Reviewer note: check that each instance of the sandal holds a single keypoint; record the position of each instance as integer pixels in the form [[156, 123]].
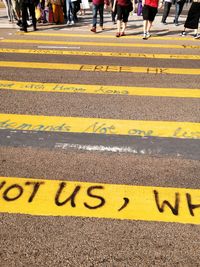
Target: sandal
[[117, 34]]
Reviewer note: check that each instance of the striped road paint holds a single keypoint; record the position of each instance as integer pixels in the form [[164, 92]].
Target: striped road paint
[[114, 201], [99, 68], [111, 44], [103, 36], [140, 128], [98, 89], [96, 54]]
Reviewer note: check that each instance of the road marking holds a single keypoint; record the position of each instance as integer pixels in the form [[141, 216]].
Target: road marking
[[140, 128], [96, 54], [103, 36], [112, 44], [55, 47], [99, 89], [99, 200], [99, 68]]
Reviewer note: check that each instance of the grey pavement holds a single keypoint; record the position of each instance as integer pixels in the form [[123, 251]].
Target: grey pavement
[[38, 241]]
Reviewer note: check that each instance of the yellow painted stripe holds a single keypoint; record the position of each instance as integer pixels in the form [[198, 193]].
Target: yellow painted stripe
[[98, 89], [115, 201], [99, 68], [100, 126], [98, 54], [112, 44], [103, 36]]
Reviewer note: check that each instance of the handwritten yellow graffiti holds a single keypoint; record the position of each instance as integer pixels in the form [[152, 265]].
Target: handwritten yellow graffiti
[[66, 198]]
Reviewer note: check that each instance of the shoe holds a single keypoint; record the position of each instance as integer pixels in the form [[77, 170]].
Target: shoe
[[122, 34], [146, 35], [197, 36], [102, 28], [176, 24], [183, 33], [71, 23], [35, 29], [164, 23], [23, 29], [68, 22], [118, 34], [19, 23], [93, 29]]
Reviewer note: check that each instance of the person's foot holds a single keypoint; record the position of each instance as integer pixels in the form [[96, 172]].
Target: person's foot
[[23, 29], [35, 29], [102, 28], [122, 34], [183, 33], [93, 29], [146, 35], [196, 36], [164, 22], [68, 22], [118, 34], [71, 23]]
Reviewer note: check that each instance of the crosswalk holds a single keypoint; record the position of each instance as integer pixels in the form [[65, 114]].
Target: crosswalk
[[111, 76]]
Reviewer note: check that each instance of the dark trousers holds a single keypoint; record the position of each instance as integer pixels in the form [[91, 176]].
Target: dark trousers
[[31, 8], [166, 11], [178, 9], [95, 10]]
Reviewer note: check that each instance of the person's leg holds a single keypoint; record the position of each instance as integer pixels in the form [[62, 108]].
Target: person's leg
[[72, 8], [94, 17], [181, 4], [177, 7], [166, 10], [125, 20], [31, 8], [145, 24], [55, 13], [68, 11], [149, 25], [101, 7], [24, 17]]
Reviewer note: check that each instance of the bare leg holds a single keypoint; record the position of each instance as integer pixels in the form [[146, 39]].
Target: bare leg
[[145, 23], [118, 25], [149, 25], [124, 26]]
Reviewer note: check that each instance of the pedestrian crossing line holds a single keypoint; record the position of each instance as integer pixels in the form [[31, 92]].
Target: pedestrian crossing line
[[103, 36], [189, 130], [99, 89], [99, 200], [111, 44], [99, 68], [98, 54]]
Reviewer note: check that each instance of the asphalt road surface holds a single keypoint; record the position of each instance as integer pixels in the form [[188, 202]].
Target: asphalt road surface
[[99, 146]]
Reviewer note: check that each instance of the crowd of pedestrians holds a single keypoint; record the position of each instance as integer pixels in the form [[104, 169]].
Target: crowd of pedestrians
[[65, 11]]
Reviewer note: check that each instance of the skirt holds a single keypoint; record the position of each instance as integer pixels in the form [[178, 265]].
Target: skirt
[[192, 21]]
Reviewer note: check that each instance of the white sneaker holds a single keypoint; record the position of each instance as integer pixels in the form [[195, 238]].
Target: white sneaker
[[71, 23], [146, 35], [68, 23]]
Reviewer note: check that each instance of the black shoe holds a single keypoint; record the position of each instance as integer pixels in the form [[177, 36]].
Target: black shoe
[[23, 29], [35, 29]]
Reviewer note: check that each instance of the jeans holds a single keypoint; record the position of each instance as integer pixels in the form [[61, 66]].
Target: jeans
[[70, 10], [178, 9], [166, 11], [95, 9]]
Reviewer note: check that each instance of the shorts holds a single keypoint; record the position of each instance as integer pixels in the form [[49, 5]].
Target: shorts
[[149, 12], [122, 13]]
